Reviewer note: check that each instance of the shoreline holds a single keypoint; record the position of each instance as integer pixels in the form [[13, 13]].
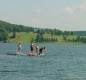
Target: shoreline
[[58, 43]]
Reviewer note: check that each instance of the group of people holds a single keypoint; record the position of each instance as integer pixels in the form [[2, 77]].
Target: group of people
[[34, 49]]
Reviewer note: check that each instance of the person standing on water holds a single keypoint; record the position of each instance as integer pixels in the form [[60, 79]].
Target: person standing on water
[[19, 47], [31, 47], [31, 53], [37, 49]]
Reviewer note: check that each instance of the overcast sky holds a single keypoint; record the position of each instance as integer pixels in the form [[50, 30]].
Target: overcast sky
[[60, 14]]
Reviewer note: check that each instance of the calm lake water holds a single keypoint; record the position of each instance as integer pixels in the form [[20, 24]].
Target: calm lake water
[[60, 62]]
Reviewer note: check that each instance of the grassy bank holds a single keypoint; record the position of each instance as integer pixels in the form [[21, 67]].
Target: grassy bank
[[27, 37], [22, 37]]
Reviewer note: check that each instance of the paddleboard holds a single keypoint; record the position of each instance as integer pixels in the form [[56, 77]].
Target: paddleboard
[[17, 53], [23, 54]]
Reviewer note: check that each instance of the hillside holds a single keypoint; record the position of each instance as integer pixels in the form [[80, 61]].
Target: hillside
[[24, 37], [21, 28], [20, 33], [14, 27]]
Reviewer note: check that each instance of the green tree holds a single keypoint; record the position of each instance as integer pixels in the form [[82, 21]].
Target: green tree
[[32, 40], [3, 34], [37, 38], [14, 34], [42, 38]]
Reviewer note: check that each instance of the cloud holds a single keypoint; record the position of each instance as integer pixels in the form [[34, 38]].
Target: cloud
[[69, 11], [74, 10], [38, 12], [31, 20], [82, 7], [35, 21], [5, 18]]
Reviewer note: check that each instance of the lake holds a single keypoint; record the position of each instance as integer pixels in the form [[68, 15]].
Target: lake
[[60, 62]]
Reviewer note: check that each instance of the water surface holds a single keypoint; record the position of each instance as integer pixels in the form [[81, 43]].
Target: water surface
[[60, 62]]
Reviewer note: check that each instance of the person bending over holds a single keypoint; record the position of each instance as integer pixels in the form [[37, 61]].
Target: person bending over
[[41, 50]]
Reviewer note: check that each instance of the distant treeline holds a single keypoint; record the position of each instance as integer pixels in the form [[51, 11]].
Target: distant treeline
[[6, 28], [40, 38], [80, 33], [13, 27], [20, 28]]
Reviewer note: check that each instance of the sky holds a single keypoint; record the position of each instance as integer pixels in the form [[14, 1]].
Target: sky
[[60, 14]]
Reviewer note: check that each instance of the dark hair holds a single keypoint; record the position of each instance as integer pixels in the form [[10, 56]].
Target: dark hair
[[44, 47]]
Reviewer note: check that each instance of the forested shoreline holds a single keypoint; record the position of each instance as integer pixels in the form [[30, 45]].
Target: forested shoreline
[[7, 28]]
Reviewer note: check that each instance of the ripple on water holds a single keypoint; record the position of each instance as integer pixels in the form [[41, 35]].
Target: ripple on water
[[61, 62]]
